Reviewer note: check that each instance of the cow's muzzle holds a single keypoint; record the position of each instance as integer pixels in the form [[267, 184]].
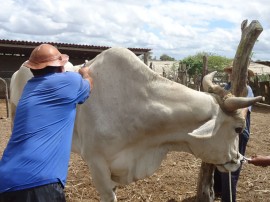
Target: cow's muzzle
[[233, 165]]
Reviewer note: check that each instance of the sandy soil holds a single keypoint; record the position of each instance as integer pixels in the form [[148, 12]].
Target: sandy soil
[[176, 179]]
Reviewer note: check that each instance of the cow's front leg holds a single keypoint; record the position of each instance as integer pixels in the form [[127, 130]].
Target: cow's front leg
[[101, 176]]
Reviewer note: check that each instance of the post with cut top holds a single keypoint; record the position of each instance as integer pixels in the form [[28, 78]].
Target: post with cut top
[[242, 58], [204, 70], [5, 85], [146, 57], [239, 88]]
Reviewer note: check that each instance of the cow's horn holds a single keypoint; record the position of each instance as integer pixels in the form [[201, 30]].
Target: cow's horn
[[207, 81], [234, 103], [208, 85]]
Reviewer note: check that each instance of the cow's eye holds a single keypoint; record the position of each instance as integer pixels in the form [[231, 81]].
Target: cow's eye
[[238, 130]]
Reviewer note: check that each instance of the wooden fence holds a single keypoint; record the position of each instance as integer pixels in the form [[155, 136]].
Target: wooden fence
[[259, 87]]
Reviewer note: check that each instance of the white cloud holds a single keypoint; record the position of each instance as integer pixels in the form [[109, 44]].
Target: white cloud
[[177, 28]]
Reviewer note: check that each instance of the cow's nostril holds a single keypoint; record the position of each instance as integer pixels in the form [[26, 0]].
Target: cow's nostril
[[238, 130]]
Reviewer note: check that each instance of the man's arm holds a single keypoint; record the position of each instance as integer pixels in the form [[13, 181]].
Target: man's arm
[[85, 72], [260, 160]]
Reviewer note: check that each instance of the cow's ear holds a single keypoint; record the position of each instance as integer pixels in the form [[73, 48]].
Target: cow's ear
[[204, 131]]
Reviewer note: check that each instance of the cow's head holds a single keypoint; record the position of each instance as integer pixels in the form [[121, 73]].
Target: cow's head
[[69, 67], [217, 139]]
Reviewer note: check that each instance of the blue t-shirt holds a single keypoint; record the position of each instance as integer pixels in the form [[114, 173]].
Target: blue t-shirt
[[38, 151]]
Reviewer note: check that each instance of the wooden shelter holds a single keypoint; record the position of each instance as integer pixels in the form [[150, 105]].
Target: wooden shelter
[[14, 53]]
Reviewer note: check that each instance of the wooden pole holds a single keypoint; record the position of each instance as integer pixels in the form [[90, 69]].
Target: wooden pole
[[6, 95], [238, 80], [205, 191], [204, 70], [242, 57], [145, 57]]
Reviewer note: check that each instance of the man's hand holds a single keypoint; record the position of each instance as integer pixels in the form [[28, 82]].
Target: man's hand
[[259, 160], [86, 74]]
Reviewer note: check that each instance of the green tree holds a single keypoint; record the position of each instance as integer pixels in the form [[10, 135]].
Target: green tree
[[165, 57], [215, 62], [194, 64]]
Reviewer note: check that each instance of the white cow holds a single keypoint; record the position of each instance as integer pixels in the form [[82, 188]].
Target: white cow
[[134, 117]]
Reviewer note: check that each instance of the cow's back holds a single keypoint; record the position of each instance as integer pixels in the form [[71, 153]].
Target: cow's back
[[119, 103]]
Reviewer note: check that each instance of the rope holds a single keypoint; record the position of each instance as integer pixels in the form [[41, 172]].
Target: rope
[[227, 95]]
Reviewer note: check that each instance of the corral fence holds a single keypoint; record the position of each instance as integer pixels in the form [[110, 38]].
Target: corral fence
[[261, 88], [181, 76]]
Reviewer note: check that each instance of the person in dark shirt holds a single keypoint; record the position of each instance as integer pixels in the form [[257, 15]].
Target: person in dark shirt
[[221, 180]]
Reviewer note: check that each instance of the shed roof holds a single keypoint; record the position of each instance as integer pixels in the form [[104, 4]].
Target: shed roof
[[25, 48], [259, 68]]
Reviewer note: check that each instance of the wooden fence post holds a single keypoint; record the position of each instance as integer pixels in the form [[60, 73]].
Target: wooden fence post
[[182, 74], [239, 74], [242, 57], [146, 58], [205, 191], [204, 70], [6, 95]]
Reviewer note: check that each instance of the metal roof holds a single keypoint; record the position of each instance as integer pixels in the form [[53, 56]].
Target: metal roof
[[25, 48], [259, 69]]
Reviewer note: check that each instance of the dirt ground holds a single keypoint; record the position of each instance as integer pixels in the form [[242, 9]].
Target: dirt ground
[[176, 179]]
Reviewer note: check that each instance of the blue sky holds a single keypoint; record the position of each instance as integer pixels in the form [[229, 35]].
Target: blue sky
[[176, 28]]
